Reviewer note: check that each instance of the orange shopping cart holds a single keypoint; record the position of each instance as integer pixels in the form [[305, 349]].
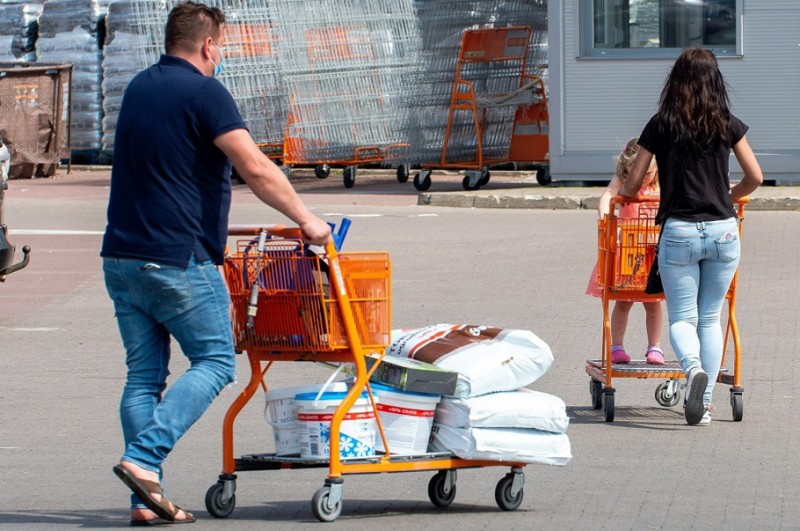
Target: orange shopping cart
[[626, 250], [290, 305]]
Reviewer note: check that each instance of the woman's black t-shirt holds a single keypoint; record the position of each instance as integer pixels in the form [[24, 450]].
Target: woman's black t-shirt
[[696, 187]]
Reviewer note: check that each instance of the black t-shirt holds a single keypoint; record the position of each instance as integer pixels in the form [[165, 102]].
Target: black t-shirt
[[695, 187]]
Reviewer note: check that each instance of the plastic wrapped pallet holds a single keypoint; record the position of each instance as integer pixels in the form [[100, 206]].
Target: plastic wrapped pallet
[[18, 28], [502, 444], [68, 33], [516, 409], [487, 359]]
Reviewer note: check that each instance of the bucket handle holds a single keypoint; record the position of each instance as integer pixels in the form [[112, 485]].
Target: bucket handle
[[328, 383]]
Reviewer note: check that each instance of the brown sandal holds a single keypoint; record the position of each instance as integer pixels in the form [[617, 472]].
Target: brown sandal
[[145, 489]]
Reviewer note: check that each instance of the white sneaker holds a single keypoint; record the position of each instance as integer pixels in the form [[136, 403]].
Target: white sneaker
[[706, 419], [694, 409]]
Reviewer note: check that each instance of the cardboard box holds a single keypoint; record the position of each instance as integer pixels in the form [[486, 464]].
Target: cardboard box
[[409, 374]]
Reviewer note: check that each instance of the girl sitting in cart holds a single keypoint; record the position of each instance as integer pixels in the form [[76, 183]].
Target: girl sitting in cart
[[622, 308]]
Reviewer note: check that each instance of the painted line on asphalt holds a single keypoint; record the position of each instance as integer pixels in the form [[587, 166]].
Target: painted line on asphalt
[[23, 329], [47, 232], [378, 215]]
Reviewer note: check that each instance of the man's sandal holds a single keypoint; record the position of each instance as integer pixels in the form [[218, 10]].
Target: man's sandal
[[144, 489]]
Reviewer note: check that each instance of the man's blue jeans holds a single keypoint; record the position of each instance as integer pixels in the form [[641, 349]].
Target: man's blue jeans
[[153, 302], [697, 261]]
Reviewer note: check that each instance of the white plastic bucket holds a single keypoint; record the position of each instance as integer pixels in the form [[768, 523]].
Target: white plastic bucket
[[406, 417], [356, 433], [280, 412]]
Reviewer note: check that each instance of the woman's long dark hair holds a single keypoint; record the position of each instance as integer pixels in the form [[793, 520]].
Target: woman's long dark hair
[[694, 104]]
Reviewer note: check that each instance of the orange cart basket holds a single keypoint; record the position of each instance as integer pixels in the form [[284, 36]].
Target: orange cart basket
[[626, 250]]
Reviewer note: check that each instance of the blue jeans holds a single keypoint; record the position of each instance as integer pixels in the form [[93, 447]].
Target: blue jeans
[[697, 261], [153, 302]]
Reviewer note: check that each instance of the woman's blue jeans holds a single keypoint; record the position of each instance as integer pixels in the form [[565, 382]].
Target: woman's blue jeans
[[697, 261], [153, 302]]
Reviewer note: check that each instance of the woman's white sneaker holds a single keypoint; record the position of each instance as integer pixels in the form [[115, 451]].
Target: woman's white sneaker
[[694, 409]]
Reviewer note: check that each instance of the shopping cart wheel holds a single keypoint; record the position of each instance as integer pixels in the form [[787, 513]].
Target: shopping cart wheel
[[322, 171], [737, 403], [402, 173], [422, 180], [596, 390], [442, 488], [327, 502], [668, 393], [349, 176], [543, 176], [472, 180], [508, 493], [217, 503], [485, 178], [608, 403]]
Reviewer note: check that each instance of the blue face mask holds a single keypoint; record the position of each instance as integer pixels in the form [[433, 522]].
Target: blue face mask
[[218, 68]]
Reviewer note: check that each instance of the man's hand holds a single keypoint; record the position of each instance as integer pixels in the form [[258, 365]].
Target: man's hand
[[316, 231]]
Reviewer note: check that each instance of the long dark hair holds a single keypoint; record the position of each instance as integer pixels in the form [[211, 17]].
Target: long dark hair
[[694, 103]]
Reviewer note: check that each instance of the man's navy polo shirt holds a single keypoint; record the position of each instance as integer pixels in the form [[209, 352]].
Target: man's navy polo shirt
[[170, 185]]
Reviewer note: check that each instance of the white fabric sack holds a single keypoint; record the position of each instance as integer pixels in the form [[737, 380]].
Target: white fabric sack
[[513, 409], [487, 359], [502, 444]]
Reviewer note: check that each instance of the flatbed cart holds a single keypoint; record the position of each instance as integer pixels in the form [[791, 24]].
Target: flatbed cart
[[498, 48], [626, 250], [288, 305]]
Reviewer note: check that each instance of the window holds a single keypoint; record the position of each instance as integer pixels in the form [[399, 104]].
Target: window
[[658, 28]]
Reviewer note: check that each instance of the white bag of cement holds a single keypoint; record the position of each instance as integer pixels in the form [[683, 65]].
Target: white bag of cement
[[487, 359], [514, 409], [502, 444]]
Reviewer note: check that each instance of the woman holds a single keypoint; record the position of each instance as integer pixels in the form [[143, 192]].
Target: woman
[[691, 137]]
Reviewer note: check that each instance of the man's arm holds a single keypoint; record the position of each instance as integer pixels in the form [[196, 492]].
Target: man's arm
[[270, 184]]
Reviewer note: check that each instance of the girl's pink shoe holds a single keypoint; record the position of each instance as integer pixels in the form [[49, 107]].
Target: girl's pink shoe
[[618, 355], [654, 356]]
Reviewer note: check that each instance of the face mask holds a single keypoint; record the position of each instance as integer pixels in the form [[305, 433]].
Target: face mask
[[218, 68]]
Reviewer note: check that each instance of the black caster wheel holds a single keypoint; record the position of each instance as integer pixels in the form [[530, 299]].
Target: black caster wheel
[[485, 178], [503, 493], [422, 180], [437, 492], [471, 181], [737, 405], [402, 173], [543, 176], [596, 391], [216, 506], [321, 506], [349, 176], [322, 171], [608, 403], [668, 394]]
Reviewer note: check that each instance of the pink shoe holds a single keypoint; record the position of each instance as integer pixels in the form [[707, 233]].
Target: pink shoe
[[655, 356], [618, 355]]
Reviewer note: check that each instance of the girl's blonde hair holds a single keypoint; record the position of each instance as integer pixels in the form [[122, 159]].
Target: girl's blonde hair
[[626, 158]]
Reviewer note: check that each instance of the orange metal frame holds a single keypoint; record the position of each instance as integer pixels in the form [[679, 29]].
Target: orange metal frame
[[358, 324], [529, 139], [619, 239]]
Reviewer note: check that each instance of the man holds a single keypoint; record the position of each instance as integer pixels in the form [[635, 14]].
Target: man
[[177, 134]]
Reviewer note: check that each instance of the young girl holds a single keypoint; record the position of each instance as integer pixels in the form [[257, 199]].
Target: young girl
[[691, 138], [622, 308]]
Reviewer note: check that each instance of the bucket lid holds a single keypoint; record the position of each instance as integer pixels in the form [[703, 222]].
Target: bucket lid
[[326, 396], [389, 389]]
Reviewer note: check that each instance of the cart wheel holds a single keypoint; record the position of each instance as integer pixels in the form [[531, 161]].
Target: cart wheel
[[608, 403], [543, 176], [502, 494], [472, 180], [320, 505], [485, 178], [596, 390], [214, 504], [349, 176], [667, 395], [737, 405], [422, 180], [436, 490], [322, 171], [402, 173]]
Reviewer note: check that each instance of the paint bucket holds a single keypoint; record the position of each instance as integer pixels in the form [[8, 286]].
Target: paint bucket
[[406, 417], [357, 432], [281, 413]]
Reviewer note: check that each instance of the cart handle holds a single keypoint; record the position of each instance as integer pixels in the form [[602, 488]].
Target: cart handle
[[646, 198], [281, 231]]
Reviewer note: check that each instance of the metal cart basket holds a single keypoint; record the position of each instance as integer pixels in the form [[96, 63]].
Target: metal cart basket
[[291, 305]]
